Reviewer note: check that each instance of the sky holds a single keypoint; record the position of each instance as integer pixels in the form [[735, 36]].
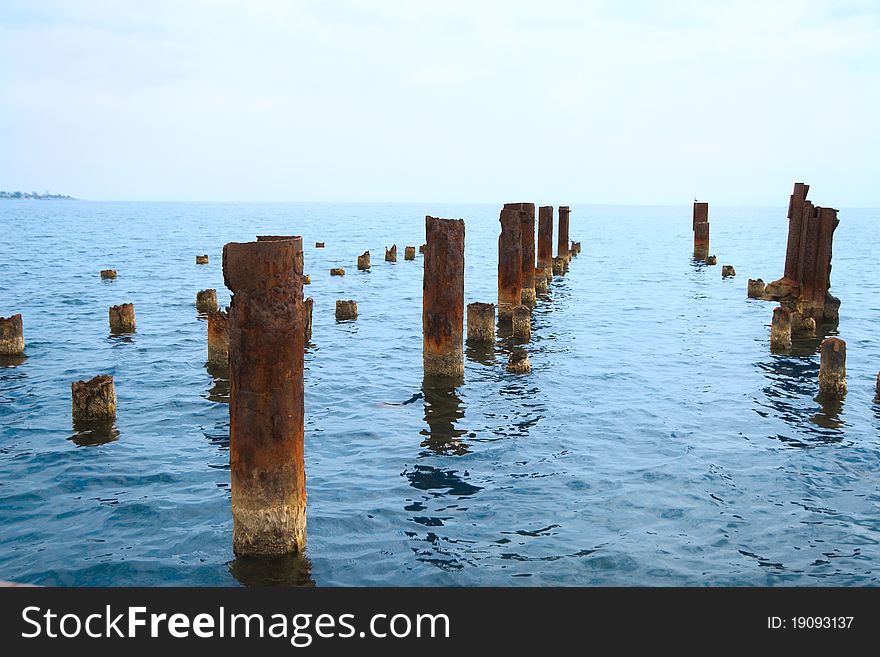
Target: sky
[[640, 102]]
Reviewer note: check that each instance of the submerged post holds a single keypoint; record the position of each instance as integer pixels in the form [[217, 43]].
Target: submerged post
[[266, 395], [780, 329], [94, 399], [409, 253], [509, 263], [218, 338], [832, 367], [391, 254], [522, 323], [11, 336], [541, 280], [518, 362], [545, 241], [562, 238], [363, 262], [122, 318], [206, 300], [481, 322], [346, 309], [443, 297]]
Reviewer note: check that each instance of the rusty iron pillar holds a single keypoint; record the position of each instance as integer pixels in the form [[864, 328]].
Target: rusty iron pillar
[[527, 236], [443, 297], [701, 230], [266, 395], [545, 240], [509, 263], [562, 240]]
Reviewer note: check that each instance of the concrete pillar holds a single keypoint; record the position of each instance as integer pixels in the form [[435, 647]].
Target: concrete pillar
[[108, 274], [206, 300], [266, 338], [509, 263], [364, 261], [756, 288], [391, 254], [443, 297], [409, 253], [481, 322], [518, 362], [832, 367], [11, 336], [218, 338], [94, 399], [202, 259], [308, 304], [122, 318], [780, 329], [562, 238], [346, 309], [522, 323], [545, 240]]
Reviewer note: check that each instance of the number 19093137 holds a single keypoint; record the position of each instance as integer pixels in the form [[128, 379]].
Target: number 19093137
[[810, 622]]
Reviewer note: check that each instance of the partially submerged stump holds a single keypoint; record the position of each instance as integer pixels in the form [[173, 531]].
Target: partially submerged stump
[[780, 329], [108, 273], [202, 259], [518, 362], [391, 254], [307, 280], [409, 253], [522, 322], [756, 288], [540, 280], [11, 336], [218, 338], [481, 322], [727, 271], [560, 264], [122, 318], [94, 399], [363, 261], [832, 368], [319, 245], [206, 300], [711, 260], [337, 271], [422, 249], [346, 309]]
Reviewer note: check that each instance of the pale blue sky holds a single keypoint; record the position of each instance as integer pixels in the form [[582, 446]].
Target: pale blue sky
[[342, 100]]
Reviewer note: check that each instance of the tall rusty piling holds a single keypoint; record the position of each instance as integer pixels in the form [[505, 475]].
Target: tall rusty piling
[[122, 318], [522, 323], [481, 322], [509, 263], [562, 239], [443, 297], [780, 329], [701, 230], [832, 367], [11, 336], [308, 305], [206, 300], [545, 240], [363, 261], [391, 254], [94, 399], [218, 338], [266, 347], [409, 253], [527, 236]]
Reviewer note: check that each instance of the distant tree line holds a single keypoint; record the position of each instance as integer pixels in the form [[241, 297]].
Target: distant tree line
[[45, 196]]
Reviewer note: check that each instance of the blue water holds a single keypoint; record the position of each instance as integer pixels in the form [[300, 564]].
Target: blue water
[[656, 441]]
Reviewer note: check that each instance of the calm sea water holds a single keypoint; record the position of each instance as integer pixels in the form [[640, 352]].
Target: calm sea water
[[656, 441]]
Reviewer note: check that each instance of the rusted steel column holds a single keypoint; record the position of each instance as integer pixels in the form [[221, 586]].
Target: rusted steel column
[[527, 233], [562, 238], [443, 297], [122, 318], [795, 229], [206, 300], [545, 240], [827, 221], [218, 338], [780, 329], [832, 367], [481, 322], [701, 230], [266, 395], [11, 336], [308, 305], [94, 399], [509, 263]]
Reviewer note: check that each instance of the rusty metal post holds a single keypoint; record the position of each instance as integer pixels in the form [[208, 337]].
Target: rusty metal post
[[363, 261], [701, 230], [562, 239], [545, 241], [509, 263], [443, 297], [832, 367], [796, 204], [308, 305], [266, 395], [527, 234]]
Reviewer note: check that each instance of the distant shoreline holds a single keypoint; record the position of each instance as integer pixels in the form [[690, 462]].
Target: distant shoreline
[[15, 196]]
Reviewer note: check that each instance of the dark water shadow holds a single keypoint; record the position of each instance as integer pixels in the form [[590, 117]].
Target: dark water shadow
[[830, 410], [89, 433], [443, 408], [12, 361], [219, 390], [292, 570], [480, 352], [121, 337]]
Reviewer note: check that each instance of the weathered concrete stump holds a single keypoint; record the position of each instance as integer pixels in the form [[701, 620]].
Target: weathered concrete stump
[[545, 241], [522, 322], [711, 260], [481, 322], [308, 305], [422, 249], [94, 399], [443, 297], [307, 280], [206, 300], [122, 318], [541, 280], [391, 254], [509, 263], [346, 309], [337, 271], [518, 362], [409, 253], [573, 249], [527, 236], [701, 230], [319, 245], [266, 344], [11, 336], [562, 239], [727, 271], [560, 265], [218, 338], [780, 329], [756, 288], [108, 274], [202, 259], [832, 367], [364, 261]]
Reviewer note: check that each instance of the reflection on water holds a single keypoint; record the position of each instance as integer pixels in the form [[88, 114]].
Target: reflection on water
[[11, 361], [119, 338], [829, 414], [288, 570], [219, 391], [443, 407], [480, 352], [94, 432]]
